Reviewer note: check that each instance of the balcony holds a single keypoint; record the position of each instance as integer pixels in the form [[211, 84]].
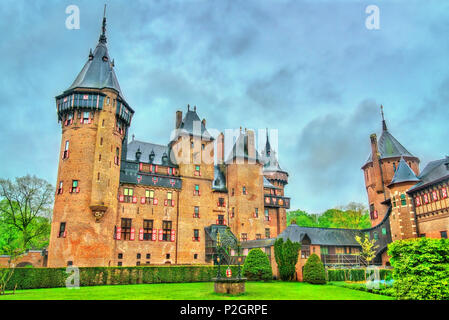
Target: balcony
[[334, 260], [277, 201]]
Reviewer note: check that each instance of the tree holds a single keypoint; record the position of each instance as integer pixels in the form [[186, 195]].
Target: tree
[[286, 256], [368, 248], [352, 216], [314, 271], [14, 251], [257, 266], [26, 206]]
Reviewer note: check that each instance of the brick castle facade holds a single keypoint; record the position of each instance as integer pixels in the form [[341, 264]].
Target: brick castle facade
[[139, 203]]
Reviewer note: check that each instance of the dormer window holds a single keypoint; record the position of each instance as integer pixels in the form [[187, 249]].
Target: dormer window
[[138, 154], [105, 58], [152, 155], [164, 158]]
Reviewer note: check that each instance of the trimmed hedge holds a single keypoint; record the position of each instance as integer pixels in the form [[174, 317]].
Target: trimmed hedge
[[257, 266], [355, 274], [314, 270], [34, 278]]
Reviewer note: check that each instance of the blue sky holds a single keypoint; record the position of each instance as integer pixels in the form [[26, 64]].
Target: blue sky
[[310, 69]]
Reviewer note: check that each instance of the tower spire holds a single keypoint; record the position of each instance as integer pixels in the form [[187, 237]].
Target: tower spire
[[103, 28], [384, 124]]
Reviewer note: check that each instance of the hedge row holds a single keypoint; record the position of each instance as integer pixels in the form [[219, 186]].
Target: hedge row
[[33, 278], [355, 274]]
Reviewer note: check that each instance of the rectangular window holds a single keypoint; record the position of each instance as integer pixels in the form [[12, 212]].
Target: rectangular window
[[85, 118], [394, 202], [371, 211], [138, 256], [244, 190], [443, 234], [244, 237], [75, 187], [403, 200], [196, 235], [267, 215], [169, 198], [128, 193], [65, 154], [120, 255], [258, 236], [220, 219], [149, 195], [324, 250], [126, 228], [61, 230], [197, 171], [60, 190], [147, 229], [232, 192], [375, 235], [267, 233], [117, 156], [256, 212], [166, 230], [233, 212], [196, 192], [148, 255], [221, 202], [196, 212]]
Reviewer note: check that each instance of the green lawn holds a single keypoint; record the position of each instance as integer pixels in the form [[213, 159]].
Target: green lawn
[[197, 291]]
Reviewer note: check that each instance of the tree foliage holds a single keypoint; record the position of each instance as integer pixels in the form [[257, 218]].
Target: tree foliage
[[286, 256], [352, 216], [368, 247], [25, 211], [421, 268], [257, 266], [314, 271]]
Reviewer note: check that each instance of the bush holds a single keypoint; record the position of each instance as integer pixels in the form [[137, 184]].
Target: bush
[[286, 255], [314, 270], [421, 268], [257, 266], [34, 278], [355, 274]]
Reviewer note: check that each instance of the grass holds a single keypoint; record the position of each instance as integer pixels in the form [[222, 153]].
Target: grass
[[275, 290]]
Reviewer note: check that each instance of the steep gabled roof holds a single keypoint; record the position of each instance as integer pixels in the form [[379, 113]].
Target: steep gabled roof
[[268, 184], [434, 171], [98, 71], [192, 125], [240, 149], [403, 173]]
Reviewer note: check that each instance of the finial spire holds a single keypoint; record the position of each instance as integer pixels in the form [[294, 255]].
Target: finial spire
[[103, 28], [384, 124]]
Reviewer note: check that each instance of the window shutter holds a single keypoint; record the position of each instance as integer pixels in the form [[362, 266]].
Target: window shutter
[[154, 235], [172, 236], [155, 201], [121, 198], [132, 235], [173, 203], [64, 234], [199, 193], [77, 189], [134, 199], [142, 200], [140, 166], [165, 202], [141, 234], [156, 168], [160, 234], [81, 120], [118, 235]]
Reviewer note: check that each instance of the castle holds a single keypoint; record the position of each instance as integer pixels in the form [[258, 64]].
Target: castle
[[139, 203]]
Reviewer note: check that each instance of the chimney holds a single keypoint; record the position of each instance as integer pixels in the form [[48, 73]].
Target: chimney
[[446, 163], [376, 163], [220, 148], [178, 119], [204, 123], [251, 144]]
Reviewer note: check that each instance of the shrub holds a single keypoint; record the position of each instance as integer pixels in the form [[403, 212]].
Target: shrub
[[314, 270], [257, 266], [421, 268], [286, 256]]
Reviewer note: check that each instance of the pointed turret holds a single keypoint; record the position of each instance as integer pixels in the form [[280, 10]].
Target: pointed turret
[[271, 169], [403, 174]]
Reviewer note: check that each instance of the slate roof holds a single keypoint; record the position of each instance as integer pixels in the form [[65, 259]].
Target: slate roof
[[219, 183], [262, 243], [240, 149], [403, 173], [434, 171], [98, 71], [146, 148], [268, 184], [270, 160], [389, 147], [192, 125], [322, 236]]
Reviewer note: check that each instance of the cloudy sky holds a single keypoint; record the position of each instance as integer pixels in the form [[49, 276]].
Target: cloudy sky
[[310, 69]]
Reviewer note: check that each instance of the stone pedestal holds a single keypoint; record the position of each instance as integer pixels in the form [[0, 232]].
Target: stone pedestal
[[229, 285]]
